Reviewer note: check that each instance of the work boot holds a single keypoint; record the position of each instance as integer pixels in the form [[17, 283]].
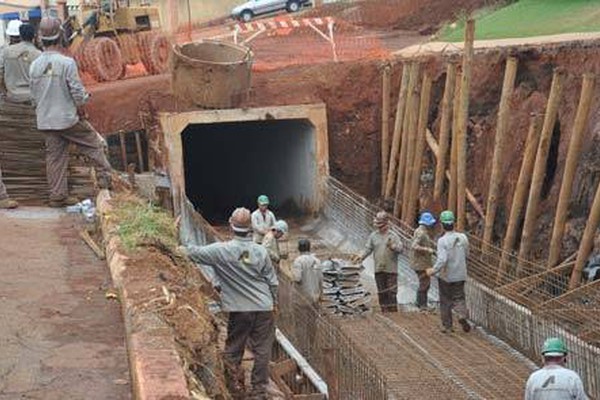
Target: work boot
[[446, 330], [8, 204], [466, 327], [59, 202]]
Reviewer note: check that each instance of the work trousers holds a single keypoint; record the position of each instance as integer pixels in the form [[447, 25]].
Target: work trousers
[[3, 194], [259, 328], [387, 290], [424, 284], [452, 297], [57, 156]]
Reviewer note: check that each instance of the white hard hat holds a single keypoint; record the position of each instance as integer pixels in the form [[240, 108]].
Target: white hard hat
[[281, 226], [13, 27]]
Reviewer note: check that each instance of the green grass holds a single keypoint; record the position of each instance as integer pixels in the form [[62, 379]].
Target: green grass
[[141, 222], [527, 18]]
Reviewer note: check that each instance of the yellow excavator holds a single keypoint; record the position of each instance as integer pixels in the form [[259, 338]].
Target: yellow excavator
[[108, 35]]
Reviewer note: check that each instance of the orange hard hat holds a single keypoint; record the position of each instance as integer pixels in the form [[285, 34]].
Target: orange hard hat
[[241, 220], [50, 28]]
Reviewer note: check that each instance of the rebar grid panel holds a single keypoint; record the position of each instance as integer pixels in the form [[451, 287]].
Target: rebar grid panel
[[498, 313]]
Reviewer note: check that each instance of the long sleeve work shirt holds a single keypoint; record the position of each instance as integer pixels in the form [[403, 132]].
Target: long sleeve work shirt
[[262, 224], [554, 382], [307, 272], [422, 247], [385, 248], [452, 253], [14, 70]]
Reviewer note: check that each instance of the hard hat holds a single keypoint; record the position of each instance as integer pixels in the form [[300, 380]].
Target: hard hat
[[281, 226], [303, 245], [50, 28], [13, 28], [241, 220], [263, 200], [427, 219], [381, 219], [447, 217], [554, 347]]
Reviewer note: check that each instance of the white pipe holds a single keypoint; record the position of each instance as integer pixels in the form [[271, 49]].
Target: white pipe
[[312, 375]]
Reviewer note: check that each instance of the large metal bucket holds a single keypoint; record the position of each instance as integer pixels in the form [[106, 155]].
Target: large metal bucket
[[211, 73]]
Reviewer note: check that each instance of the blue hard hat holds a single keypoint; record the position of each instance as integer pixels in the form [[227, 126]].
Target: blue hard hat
[[427, 219]]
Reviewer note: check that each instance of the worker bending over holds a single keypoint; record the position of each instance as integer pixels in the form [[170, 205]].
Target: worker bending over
[[271, 241], [59, 97], [249, 294], [262, 219], [451, 266], [554, 381], [423, 249]]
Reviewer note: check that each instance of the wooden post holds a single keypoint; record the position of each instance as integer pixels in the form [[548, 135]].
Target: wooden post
[[123, 150], [440, 166], [413, 116], [510, 75], [410, 108], [400, 108], [581, 120], [521, 191], [140, 154], [461, 159], [587, 241], [385, 125], [539, 169], [415, 174], [454, 149]]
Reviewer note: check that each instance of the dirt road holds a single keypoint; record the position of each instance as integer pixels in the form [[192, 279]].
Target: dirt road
[[60, 338]]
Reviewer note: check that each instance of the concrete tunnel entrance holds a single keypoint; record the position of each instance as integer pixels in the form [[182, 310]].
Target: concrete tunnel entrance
[[221, 159], [230, 164]]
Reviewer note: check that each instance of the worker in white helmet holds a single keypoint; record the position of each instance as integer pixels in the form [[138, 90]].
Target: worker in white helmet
[[249, 294], [15, 62], [271, 241], [554, 381]]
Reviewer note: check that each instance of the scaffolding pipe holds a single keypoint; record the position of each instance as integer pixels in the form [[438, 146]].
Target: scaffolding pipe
[[461, 164], [415, 168], [510, 75], [539, 169], [385, 125], [445, 123], [581, 120], [453, 150], [397, 136], [521, 191]]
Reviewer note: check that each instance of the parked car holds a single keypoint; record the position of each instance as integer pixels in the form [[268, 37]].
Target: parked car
[[253, 8]]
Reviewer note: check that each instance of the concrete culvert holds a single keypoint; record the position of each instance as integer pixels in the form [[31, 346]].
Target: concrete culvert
[[230, 164]]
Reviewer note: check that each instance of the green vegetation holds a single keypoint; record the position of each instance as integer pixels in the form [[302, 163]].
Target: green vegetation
[[527, 18], [141, 222]]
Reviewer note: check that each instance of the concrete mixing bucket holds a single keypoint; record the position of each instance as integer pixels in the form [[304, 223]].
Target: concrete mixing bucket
[[211, 73]]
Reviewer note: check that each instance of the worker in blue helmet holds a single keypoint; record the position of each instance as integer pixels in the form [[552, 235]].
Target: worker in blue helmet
[[423, 249]]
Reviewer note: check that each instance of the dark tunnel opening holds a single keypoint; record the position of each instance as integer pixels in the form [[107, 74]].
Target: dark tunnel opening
[[228, 165]]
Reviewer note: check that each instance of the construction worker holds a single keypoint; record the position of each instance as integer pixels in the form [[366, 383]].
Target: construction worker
[[271, 241], [451, 266], [554, 381], [249, 294], [15, 62], [59, 98], [423, 249], [307, 272], [263, 219], [385, 246]]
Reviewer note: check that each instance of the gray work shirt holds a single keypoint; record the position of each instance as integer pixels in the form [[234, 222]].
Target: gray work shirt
[[452, 253], [247, 277], [307, 271], [14, 70], [385, 248], [422, 247], [271, 243], [262, 224], [554, 382], [56, 91]]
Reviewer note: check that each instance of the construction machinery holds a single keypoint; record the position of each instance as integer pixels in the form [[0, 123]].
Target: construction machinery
[[107, 36]]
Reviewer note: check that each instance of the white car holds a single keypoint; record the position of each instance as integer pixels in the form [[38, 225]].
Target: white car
[[252, 8]]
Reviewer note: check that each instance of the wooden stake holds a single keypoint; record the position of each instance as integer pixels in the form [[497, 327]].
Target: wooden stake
[[587, 241], [440, 166], [413, 117], [510, 75], [461, 164], [410, 106], [521, 191], [385, 126], [581, 121], [140, 154], [415, 168], [123, 150], [400, 108], [539, 169], [454, 149]]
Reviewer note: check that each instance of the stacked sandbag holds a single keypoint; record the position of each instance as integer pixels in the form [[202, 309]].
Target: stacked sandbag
[[343, 294]]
